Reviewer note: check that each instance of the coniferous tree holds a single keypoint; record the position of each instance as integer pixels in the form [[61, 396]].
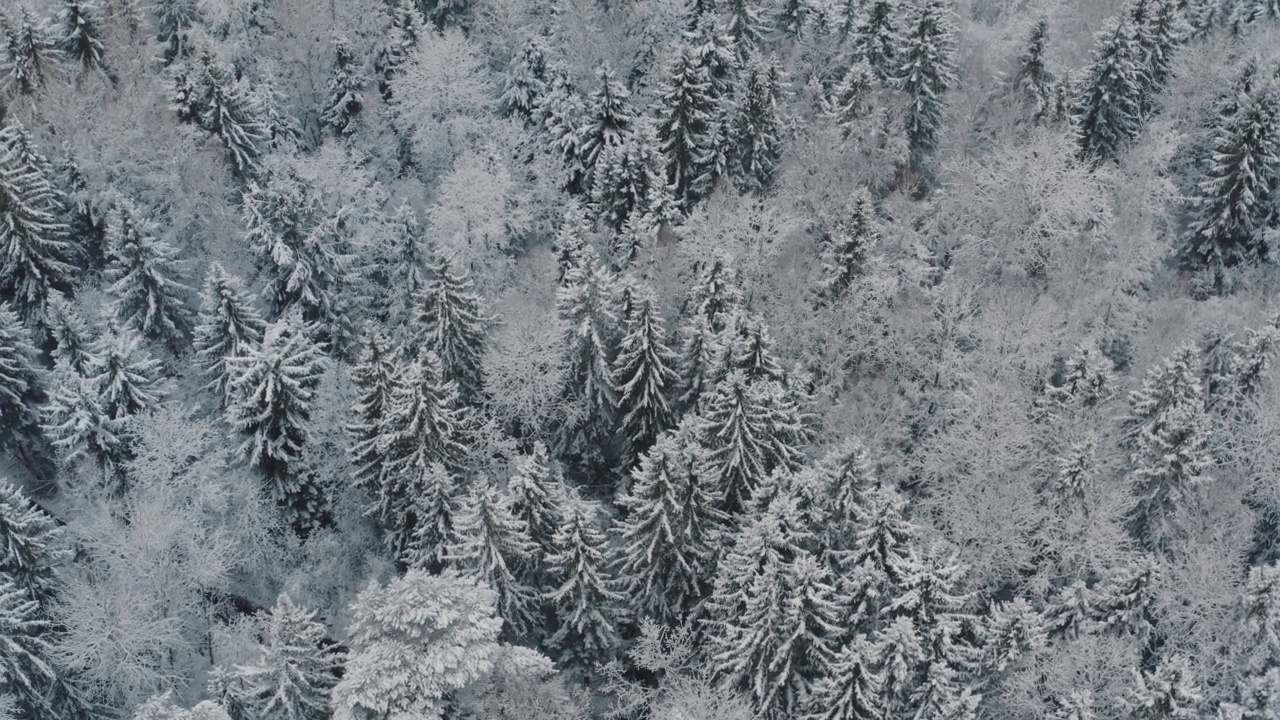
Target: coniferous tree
[[67, 329], [228, 325], [585, 304], [608, 120], [926, 70], [1032, 83], [398, 42], [876, 40], [1070, 613], [751, 350], [77, 422], [20, 383], [435, 510], [746, 24], [717, 293], [145, 278], [404, 262], [748, 430], [851, 98], [273, 389], [1125, 602], [27, 668], [344, 99], [880, 560], [126, 376], [1168, 693], [699, 360], [526, 80], [587, 605], [29, 54], [538, 496], [493, 545], [294, 671], [851, 688], [81, 36], [1109, 107], [847, 244], [35, 255], [899, 654], [687, 128], [225, 108], [375, 376], [757, 127], [28, 552], [630, 186], [452, 325], [644, 375], [1242, 174], [559, 113], [1167, 29], [175, 22]]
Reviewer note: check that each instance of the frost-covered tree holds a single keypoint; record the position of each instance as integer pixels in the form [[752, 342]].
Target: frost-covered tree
[[1169, 693], [526, 80], [1032, 83], [876, 40], [294, 671], [70, 333], [645, 375], [176, 20], [749, 430], [492, 544], [403, 264], [1125, 602], [1235, 198], [375, 376], [29, 550], [757, 125], [881, 552], [1166, 30], [30, 53], [846, 246], [716, 295], [35, 253], [227, 327], [273, 386], [451, 323], [630, 188], [746, 23], [608, 119], [852, 97], [699, 360], [585, 304], [344, 100], [587, 606], [1109, 108], [210, 96], [398, 41], [666, 542], [77, 422], [926, 70], [20, 382], [126, 376], [145, 277], [851, 688], [1069, 613], [81, 34], [538, 496], [751, 350], [420, 640], [1014, 634], [688, 130]]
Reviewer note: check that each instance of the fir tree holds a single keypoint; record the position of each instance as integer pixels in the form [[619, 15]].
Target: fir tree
[[587, 606], [1168, 693], [880, 553], [757, 126], [1070, 612], [227, 327], [630, 186], [699, 360], [20, 382], [226, 109], [876, 39], [67, 329], [667, 539], [452, 325], [1014, 635], [748, 430], [375, 376], [900, 653], [493, 545], [273, 386], [344, 99], [751, 350], [608, 120], [559, 112], [1125, 602], [526, 80], [77, 422], [687, 128], [644, 374], [27, 670], [1233, 202], [1259, 615], [845, 255], [398, 42], [404, 263], [175, 22], [294, 672], [1109, 106], [538, 497], [29, 553], [851, 688], [1032, 83], [29, 54], [851, 99], [81, 36], [717, 293], [35, 255], [926, 70], [125, 376], [1167, 29], [746, 24], [145, 277], [585, 304]]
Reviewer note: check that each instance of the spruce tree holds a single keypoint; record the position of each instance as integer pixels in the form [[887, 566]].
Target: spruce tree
[[29, 555], [1167, 29], [585, 304], [851, 688], [398, 41], [608, 119], [844, 256], [145, 277], [1234, 200], [175, 22], [1109, 107], [27, 669], [538, 496], [926, 70], [35, 254], [294, 672], [1070, 613], [73, 341], [126, 376], [630, 186], [1124, 603], [375, 377], [1032, 82], [493, 545], [434, 519], [1170, 692], [20, 383], [876, 39], [748, 430], [666, 541], [645, 375], [344, 100], [746, 24], [559, 113], [403, 265], [851, 98], [900, 652], [273, 386], [587, 607], [81, 35], [526, 80], [881, 558], [29, 54], [225, 108], [451, 323], [751, 350], [699, 360], [227, 327], [687, 128], [76, 420], [757, 126]]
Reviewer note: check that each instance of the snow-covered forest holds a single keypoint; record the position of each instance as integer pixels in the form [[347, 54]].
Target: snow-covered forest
[[670, 359]]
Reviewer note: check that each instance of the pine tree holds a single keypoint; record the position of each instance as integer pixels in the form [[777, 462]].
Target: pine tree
[[587, 607], [926, 70], [145, 277], [1169, 693], [748, 430], [227, 327], [608, 119], [876, 39], [452, 325], [35, 255], [29, 555], [1109, 106], [273, 386], [1235, 197], [1032, 83], [344, 99], [421, 429], [526, 80], [757, 126], [687, 128], [375, 377], [81, 36], [585, 304], [644, 374], [845, 255], [493, 545], [175, 22], [20, 382], [851, 688], [294, 671], [666, 543], [29, 54]]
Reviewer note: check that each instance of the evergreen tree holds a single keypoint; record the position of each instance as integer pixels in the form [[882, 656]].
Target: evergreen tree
[[608, 119], [1109, 106], [493, 545], [757, 126], [900, 653], [398, 41], [538, 497], [1069, 614], [526, 80], [404, 262], [1125, 602], [845, 255], [434, 511], [687, 128], [699, 360], [1234, 200], [1260, 616], [876, 39], [273, 386], [422, 429], [27, 670], [666, 541], [851, 99], [126, 376], [644, 374], [585, 304], [77, 422], [1014, 634], [294, 671], [344, 99], [227, 327], [587, 606], [375, 376], [1032, 83], [559, 112], [717, 293], [926, 70], [748, 430], [1168, 693], [851, 688], [35, 255], [20, 383], [29, 554], [81, 36], [67, 329], [751, 350], [881, 558], [225, 107], [175, 23], [145, 277], [746, 24], [452, 325], [1166, 30], [630, 185], [29, 54]]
